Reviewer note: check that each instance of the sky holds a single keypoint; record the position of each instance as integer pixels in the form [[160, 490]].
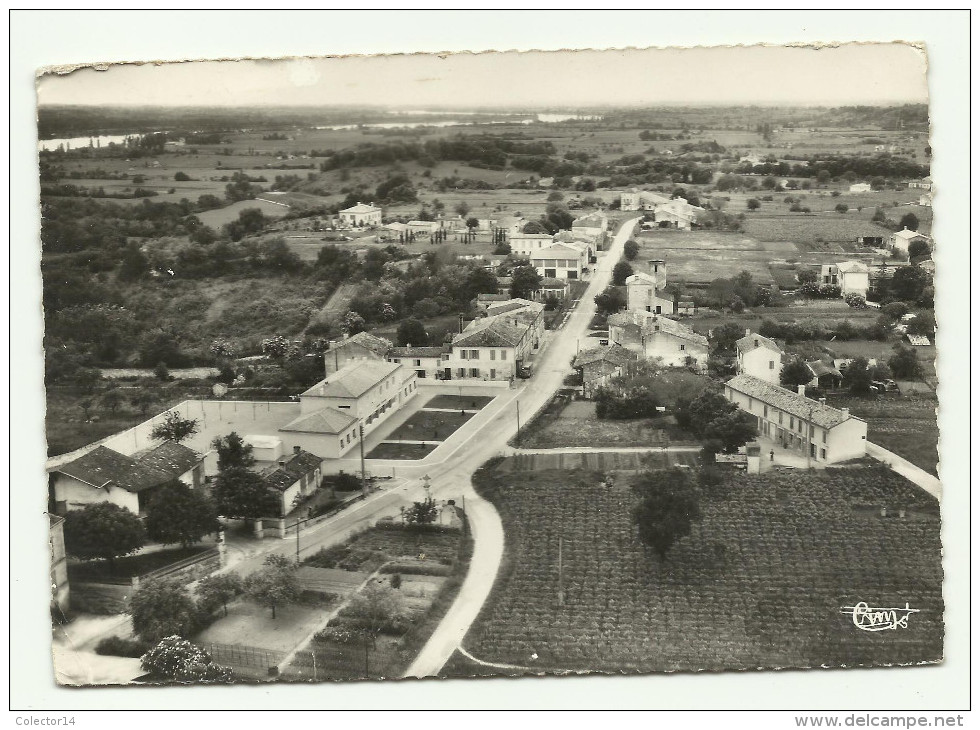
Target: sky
[[883, 73]]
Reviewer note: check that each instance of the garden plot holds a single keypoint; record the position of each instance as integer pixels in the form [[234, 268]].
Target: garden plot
[[468, 402], [759, 583], [698, 257]]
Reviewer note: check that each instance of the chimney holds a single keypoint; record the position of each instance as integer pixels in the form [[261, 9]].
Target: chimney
[[823, 401], [846, 412], [296, 449], [282, 461], [747, 332], [801, 389], [756, 341], [332, 344], [461, 323]]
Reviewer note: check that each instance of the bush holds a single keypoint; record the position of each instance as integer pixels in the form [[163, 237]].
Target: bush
[[856, 301], [118, 646]]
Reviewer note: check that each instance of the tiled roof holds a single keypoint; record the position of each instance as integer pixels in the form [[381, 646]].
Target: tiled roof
[[556, 250], [906, 233], [514, 304], [325, 420], [847, 267], [102, 466], [614, 354], [377, 345], [751, 341], [170, 457], [550, 283], [785, 400], [354, 379], [649, 322], [820, 368], [282, 476], [417, 352], [640, 277], [491, 333], [492, 297], [361, 208]]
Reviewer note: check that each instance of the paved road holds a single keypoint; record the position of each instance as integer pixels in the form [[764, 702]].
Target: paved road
[[488, 531]]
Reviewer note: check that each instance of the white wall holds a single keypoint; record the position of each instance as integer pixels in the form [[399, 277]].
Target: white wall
[[78, 494], [756, 362]]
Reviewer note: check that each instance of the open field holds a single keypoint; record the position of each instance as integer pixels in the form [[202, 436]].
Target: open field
[[217, 218], [905, 425], [808, 228], [575, 424], [759, 582]]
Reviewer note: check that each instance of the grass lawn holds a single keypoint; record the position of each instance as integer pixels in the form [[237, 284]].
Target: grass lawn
[[759, 582], [134, 565], [575, 424], [904, 425], [470, 402], [401, 451], [430, 426], [218, 217]]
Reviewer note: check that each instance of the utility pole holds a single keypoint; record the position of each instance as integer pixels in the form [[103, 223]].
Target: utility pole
[[297, 540], [518, 403], [360, 430]]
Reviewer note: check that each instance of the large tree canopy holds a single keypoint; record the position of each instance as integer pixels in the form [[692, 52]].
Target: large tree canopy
[[103, 530], [178, 514]]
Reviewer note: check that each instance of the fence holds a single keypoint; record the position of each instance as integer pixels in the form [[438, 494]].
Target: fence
[[166, 570], [242, 656]]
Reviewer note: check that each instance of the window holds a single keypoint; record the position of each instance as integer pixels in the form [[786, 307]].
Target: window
[[765, 410], [463, 354], [823, 453], [780, 418], [503, 354], [493, 354], [811, 431], [474, 372], [792, 423], [418, 363], [345, 408], [493, 373], [683, 347], [772, 365], [824, 435], [396, 360], [474, 354]]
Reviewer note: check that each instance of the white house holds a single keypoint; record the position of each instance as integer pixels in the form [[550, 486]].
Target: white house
[[427, 362], [560, 261], [860, 188], [551, 289], [923, 184], [634, 199], [105, 475], [676, 213], [356, 348], [360, 215], [852, 277], [422, 228], [489, 349], [655, 336], [828, 435], [759, 357], [521, 313], [901, 240], [593, 224], [293, 477], [525, 244], [644, 290]]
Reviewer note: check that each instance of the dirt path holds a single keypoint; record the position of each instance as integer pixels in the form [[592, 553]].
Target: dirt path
[[337, 304]]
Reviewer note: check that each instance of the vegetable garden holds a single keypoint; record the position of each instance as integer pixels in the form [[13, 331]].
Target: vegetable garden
[[759, 583]]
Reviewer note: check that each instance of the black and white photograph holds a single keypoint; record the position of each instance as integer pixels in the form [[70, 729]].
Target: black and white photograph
[[603, 361]]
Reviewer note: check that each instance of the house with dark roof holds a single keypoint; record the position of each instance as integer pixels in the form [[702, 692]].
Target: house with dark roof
[[356, 348], [599, 365], [293, 477], [759, 357], [105, 475], [791, 420], [655, 336], [825, 375], [551, 288], [491, 348]]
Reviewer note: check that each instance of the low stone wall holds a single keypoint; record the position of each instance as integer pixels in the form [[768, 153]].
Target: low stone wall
[[100, 598], [186, 574]]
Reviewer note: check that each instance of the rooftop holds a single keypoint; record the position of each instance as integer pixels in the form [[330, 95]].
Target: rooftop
[[512, 305], [353, 380], [752, 340], [614, 354], [361, 208], [906, 233], [377, 345], [792, 403], [650, 322], [169, 457], [490, 332], [325, 420], [102, 466], [417, 352], [297, 465], [558, 249]]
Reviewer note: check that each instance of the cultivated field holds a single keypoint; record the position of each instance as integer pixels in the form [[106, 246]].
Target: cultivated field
[[760, 582]]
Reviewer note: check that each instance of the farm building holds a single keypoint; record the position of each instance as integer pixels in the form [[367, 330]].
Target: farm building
[[860, 188], [106, 475], [759, 357], [644, 291], [599, 365], [827, 435], [825, 375], [676, 213], [640, 200], [360, 215], [851, 276], [525, 244], [655, 336]]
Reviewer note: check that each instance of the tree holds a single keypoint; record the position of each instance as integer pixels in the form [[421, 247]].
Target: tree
[[923, 324], [555, 197], [668, 509], [525, 280], [753, 204], [175, 428], [143, 399], [353, 323], [133, 263], [917, 249], [725, 336], [631, 249], [103, 530], [233, 452], [841, 208], [217, 590], [178, 514], [274, 584], [908, 283], [857, 376], [731, 430], [412, 332], [241, 493], [162, 608], [534, 227], [182, 661], [422, 513], [377, 609], [462, 208], [181, 176], [904, 364], [795, 372], [472, 223], [610, 301], [910, 220], [112, 400], [620, 273]]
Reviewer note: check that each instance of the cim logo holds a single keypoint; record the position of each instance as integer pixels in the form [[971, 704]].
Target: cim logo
[[868, 618]]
